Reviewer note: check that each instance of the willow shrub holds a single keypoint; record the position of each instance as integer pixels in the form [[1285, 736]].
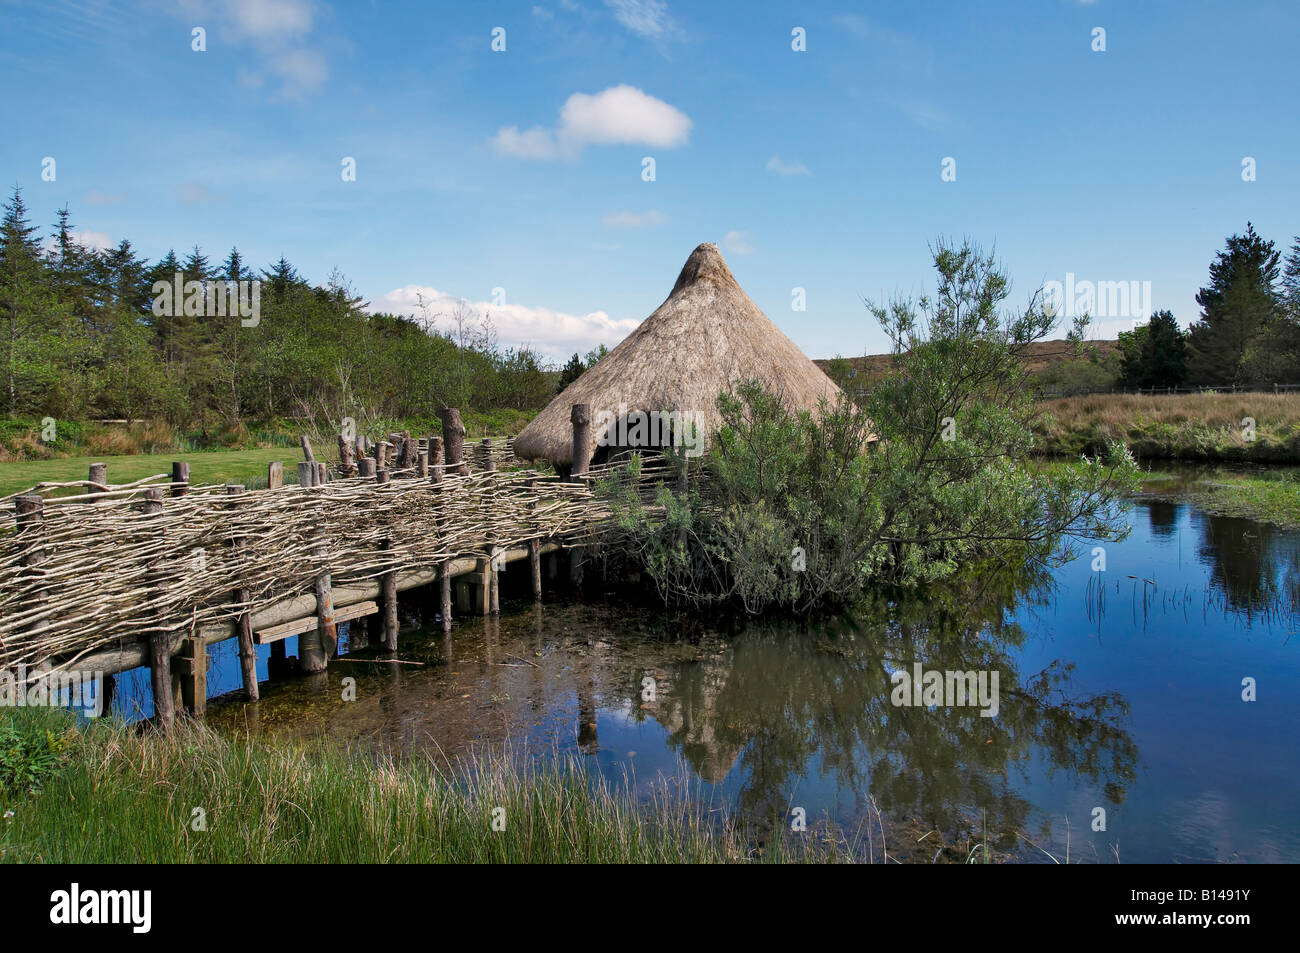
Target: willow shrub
[[923, 477]]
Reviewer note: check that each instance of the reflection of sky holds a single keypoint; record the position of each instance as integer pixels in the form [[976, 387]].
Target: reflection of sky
[[1217, 776], [1172, 625]]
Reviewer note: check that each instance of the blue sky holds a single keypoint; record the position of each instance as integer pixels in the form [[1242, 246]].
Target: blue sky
[[521, 170]]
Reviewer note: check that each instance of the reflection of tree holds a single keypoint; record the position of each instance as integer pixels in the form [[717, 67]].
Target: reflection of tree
[[786, 702], [1254, 565], [1163, 517]]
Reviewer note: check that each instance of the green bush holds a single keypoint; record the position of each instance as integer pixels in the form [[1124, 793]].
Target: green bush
[[33, 749]]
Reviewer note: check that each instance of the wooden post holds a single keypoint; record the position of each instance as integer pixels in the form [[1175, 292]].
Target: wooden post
[[278, 664], [580, 417], [192, 667], [347, 468], [313, 655], [315, 647], [422, 464], [383, 476], [453, 440], [180, 478], [306, 450], [388, 603], [383, 455], [274, 475], [483, 579], [160, 646], [326, 631], [366, 467], [535, 547], [494, 582], [444, 567], [98, 475], [322, 474], [244, 623], [406, 459], [575, 566], [30, 513], [489, 465]]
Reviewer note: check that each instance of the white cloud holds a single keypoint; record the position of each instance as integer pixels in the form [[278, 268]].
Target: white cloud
[[96, 240], [270, 20], [96, 197], [620, 115], [536, 143], [924, 113], [739, 243], [648, 18], [278, 30], [196, 193], [634, 219], [302, 70], [781, 167], [553, 333], [83, 237]]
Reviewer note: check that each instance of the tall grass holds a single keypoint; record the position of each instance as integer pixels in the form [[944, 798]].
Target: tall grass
[[198, 797], [1178, 426]]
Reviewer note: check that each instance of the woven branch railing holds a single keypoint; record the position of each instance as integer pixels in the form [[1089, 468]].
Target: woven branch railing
[[107, 572]]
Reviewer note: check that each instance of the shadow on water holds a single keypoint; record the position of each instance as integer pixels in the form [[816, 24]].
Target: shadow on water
[[1120, 698]]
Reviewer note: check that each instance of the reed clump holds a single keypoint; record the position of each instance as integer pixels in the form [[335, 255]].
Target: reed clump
[[195, 796]]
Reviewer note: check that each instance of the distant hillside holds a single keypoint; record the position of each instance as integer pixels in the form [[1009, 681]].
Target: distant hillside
[[1042, 355]]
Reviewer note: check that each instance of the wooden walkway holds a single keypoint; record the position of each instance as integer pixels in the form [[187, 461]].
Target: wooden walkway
[[153, 573]]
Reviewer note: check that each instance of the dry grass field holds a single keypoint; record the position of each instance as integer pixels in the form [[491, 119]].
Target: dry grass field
[[1181, 426]]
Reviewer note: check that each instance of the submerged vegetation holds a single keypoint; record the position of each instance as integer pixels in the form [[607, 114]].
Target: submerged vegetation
[[925, 474], [1264, 496]]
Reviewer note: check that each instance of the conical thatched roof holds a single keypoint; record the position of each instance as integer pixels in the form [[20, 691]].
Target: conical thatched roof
[[704, 338]]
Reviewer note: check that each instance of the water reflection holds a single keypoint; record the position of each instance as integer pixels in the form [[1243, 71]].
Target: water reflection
[[777, 705], [1146, 722], [1255, 566]]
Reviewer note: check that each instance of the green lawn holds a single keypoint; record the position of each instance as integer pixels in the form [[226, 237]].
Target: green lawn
[[219, 466]]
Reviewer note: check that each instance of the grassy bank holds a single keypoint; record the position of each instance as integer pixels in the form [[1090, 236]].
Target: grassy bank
[[1206, 427], [117, 796], [223, 466], [1261, 494], [21, 438], [1264, 497]]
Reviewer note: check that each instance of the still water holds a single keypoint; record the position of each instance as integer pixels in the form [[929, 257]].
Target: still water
[[1120, 691]]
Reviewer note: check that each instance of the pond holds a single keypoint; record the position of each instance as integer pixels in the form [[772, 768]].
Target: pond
[[1122, 726]]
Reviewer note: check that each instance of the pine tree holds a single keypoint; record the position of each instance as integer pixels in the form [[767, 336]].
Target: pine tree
[[281, 277], [570, 373], [232, 269], [1291, 282], [22, 285], [1155, 353], [1237, 306]]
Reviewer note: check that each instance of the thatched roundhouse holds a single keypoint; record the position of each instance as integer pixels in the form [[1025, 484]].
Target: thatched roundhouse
[[704, 338]]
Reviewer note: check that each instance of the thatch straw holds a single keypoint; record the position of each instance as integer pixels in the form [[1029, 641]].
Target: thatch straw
[[700, 342]]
